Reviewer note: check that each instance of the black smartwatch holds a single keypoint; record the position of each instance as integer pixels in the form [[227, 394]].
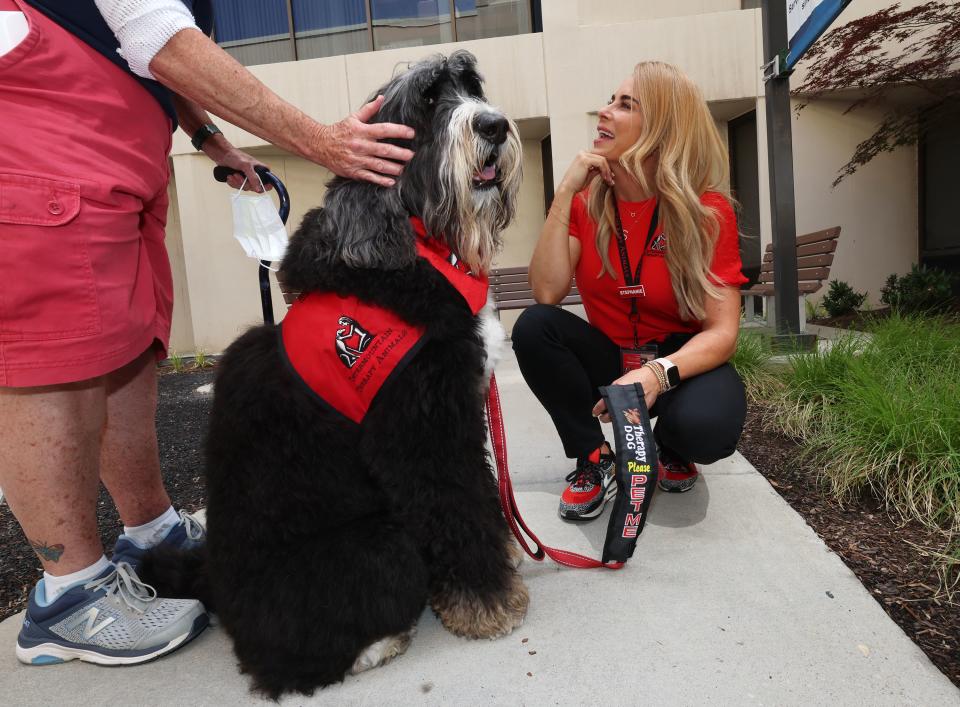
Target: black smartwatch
[[204, 132]]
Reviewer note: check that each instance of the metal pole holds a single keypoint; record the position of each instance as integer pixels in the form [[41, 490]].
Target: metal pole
[[780, 161], [453, 19], [293, 34], [370, 25]]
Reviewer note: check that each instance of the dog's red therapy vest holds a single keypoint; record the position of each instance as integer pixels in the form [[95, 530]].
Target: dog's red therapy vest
[[344, 349]]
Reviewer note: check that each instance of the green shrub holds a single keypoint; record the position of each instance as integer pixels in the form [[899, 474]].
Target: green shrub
[[921, 291], [881, 411], [201, 359], [841, 299], [751, 361], [177, 362]]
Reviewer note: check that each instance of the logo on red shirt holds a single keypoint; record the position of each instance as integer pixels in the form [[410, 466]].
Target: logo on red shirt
[[659, 245]]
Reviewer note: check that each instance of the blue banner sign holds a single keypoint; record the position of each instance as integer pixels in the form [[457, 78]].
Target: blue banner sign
[[806, 21]]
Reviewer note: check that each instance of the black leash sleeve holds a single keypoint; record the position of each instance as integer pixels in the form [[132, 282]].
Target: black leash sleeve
[[636, 469]]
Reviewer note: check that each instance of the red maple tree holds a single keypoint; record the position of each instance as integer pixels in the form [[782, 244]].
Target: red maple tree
[[914, 50]]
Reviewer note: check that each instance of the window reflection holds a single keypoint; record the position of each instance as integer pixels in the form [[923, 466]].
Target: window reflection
[[330, 28], [410, 23], [254, 31], [478, 19], [260, 32]]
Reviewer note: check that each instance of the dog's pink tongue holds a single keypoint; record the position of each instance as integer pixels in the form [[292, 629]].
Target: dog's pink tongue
[[488, 173]]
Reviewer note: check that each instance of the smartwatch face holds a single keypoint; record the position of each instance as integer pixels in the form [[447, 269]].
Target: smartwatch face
[[673, 376]]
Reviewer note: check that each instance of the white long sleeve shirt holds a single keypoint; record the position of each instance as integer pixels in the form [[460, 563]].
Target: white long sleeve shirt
[[143, 27]]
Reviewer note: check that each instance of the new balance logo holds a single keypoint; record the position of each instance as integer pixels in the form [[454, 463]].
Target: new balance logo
[[91, 627]]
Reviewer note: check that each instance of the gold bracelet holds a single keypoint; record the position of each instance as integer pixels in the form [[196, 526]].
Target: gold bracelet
[[660, 374]]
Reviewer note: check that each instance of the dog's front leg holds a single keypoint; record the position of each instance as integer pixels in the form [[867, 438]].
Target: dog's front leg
[[431, 461]]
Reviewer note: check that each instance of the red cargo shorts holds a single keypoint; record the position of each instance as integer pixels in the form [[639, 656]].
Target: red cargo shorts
[[85, 281]]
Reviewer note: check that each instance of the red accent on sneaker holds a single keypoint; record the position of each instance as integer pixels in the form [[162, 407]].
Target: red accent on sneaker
[[581, 490], [677, 476], [678, 471]]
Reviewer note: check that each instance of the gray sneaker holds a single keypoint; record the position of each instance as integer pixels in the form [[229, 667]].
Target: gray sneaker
[[114, 619], [187, 534]]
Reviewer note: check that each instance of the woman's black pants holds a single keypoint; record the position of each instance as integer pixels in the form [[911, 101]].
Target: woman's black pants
[[565, 360]]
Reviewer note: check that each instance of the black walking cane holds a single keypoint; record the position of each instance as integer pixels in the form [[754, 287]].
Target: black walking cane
[[263, 272]]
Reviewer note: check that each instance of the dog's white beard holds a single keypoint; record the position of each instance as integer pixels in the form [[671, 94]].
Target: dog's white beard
[[479, 216], [493, 335]]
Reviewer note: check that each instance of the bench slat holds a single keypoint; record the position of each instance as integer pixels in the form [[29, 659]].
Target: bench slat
[[829, 234], [811, 261], [520, 279], [509, 271], [802, 275], [811, 249]]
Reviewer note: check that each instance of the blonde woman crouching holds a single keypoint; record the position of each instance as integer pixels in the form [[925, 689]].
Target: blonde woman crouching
[[650, 197]]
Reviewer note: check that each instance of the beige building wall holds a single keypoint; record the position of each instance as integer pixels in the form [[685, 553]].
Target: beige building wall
[[876, 209], [553, 83]]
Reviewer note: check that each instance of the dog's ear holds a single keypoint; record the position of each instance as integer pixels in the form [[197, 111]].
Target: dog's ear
[[463, 65], [409, 94], [373, 229]]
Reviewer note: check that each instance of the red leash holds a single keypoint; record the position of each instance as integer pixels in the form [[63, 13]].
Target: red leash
[[509, 503]]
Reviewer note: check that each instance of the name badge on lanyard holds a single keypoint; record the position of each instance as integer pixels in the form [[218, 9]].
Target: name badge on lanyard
[[631, 291]]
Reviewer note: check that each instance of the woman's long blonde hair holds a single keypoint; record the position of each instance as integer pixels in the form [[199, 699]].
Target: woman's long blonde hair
[[678, 132]]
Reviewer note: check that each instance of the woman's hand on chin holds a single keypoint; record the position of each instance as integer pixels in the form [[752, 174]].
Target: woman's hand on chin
[[585, 166]]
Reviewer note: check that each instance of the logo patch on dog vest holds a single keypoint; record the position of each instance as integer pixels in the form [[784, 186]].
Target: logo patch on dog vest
[[345, 350]]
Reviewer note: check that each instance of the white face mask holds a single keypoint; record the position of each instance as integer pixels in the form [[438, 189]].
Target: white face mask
[[257, 225]]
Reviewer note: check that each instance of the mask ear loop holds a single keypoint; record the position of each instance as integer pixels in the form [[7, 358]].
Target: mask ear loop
[[263, 189]]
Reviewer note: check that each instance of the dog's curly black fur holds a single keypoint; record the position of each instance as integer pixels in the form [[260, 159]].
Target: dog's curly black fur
[[325, 537]]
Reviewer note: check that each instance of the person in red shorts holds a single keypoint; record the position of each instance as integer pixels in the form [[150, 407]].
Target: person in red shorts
[[90, 93], [645, 224]]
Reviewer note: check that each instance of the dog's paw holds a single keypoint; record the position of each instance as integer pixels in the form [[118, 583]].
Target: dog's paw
[[382, 652], [463, 613]]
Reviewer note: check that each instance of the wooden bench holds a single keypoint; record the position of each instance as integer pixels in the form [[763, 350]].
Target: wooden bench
[[511, 290], [814, 257]]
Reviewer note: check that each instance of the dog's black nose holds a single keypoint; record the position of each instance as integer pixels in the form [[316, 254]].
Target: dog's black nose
[[492, 127]]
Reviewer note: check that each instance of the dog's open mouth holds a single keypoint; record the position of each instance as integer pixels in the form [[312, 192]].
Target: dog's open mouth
[[488, 175]]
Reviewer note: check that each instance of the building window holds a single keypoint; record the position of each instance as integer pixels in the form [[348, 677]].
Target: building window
[[410, 23], [479, 19], [266, 31], [330, 28], [254, 31]]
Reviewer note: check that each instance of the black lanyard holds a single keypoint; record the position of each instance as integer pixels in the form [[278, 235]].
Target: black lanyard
[[634, 281]]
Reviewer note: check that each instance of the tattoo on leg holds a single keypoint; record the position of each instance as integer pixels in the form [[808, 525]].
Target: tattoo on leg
[[47, 552]]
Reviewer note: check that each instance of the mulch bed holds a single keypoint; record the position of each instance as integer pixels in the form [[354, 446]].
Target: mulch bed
[[873, 544], [861, 320], [853, 320]]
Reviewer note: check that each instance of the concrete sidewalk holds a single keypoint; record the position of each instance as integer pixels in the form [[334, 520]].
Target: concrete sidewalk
[[730, 599]]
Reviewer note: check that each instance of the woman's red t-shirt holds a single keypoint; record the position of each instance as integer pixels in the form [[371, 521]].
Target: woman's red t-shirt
[[659, 314]]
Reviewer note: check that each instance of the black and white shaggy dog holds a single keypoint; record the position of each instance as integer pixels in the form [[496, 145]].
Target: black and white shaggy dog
[[327, 537]]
